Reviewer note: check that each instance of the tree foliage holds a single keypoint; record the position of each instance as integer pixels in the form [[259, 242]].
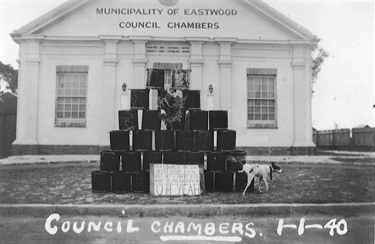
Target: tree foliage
[[10, 76], [319, 55]]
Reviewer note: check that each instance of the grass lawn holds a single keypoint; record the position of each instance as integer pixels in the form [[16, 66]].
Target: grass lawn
[[71, 184]]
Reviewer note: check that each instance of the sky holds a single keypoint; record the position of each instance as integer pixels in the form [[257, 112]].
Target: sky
[[344, 92]]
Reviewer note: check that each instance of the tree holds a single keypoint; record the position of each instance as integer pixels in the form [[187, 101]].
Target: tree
[[10, 76], [319, 55]]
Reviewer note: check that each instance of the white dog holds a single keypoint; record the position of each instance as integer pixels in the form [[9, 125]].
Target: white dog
[[260, 171]]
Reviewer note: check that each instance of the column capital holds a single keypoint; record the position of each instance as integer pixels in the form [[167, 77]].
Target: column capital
[[140, 62], [298, 65], [110, 61], [33, 61], [224, 63], [196, 62]]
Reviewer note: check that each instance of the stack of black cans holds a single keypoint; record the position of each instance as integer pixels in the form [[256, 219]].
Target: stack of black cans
[[201, 138]]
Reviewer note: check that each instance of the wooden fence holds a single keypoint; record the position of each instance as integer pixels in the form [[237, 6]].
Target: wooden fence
[[356, 139]]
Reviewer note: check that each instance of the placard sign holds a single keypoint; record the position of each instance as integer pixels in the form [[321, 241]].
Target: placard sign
[[176, 180]]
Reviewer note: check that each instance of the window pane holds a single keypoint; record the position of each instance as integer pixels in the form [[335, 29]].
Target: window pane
[[60, 78], [264, 94], [264, 117], [250, 117], [83, 78], [257, 116], [250, 102], [257, 109], [68, 92], [68, 107], [264, 109], [82, 115], [67, 115], [272, 117], [60, 115], [75, 115], [75, 107], [82, 92], [250, 80]]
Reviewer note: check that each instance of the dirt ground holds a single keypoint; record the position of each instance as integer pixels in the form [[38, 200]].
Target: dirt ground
[[300, 183]]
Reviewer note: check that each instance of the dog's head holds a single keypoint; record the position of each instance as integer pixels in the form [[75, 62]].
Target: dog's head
[[276, 168]]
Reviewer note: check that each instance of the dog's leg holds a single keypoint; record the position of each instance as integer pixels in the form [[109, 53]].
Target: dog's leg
[[265, 182], [249, 179], [260, 183]]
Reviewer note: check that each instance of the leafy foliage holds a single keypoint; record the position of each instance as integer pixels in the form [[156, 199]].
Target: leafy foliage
[[170, 109], [319, 55], [10, 76]]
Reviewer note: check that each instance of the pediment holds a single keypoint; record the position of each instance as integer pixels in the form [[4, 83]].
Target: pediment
[[248, 20]]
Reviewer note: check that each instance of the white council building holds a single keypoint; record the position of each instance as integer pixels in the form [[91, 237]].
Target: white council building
[[76, 60]]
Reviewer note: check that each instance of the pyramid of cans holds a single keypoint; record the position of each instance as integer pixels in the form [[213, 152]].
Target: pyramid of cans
[[199, 138]]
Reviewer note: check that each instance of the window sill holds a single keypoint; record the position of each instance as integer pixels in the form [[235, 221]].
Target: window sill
[[70, 124], [261, 126]]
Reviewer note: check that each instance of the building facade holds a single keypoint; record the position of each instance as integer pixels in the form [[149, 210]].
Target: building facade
[[79, 62]]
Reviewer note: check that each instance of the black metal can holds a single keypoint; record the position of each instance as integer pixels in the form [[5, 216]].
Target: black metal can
[[119, 140], [100, 181]]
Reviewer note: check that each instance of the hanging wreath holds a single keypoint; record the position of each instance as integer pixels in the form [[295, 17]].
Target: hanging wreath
[[171, 107]]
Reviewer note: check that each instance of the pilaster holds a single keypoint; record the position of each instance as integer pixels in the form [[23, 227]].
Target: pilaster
[[140, 61], [196, 65], [28, 93], [110, 94], [225, 63], [302, 96]]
